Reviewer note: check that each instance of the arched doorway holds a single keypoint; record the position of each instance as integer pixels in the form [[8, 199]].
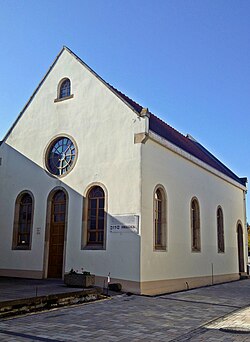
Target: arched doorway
[[56, 234], [240, 248]]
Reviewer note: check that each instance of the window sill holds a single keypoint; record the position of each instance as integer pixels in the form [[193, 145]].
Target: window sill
[[64, 98], [21, 248], [196, 250], [94, 248], [160, 249]]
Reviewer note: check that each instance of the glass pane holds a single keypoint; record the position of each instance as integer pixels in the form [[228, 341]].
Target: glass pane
[[65, 88], [92, 237], [100, 224], [57, 218], [100, 236], [101, 203], [158, 194], [101, 213], [56, 208], [93, 212], [93, 223], [93, 203], [59, 196], [26, 199], [60, 156], [96, 192]]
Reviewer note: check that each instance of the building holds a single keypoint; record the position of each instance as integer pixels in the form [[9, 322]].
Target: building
[[91, 180]]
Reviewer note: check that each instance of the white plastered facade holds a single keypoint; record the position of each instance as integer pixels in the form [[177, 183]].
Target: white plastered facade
[[103, 128]]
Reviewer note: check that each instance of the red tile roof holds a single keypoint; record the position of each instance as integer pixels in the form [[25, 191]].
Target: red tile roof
[[188, 145]]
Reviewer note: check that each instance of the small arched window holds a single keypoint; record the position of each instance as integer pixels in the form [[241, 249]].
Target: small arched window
[[159, 220], [220, 231], [23, 221], [96, 217], [195, 225], [64, 90]]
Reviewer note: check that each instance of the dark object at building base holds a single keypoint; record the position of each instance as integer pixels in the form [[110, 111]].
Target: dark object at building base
[[117, 287]]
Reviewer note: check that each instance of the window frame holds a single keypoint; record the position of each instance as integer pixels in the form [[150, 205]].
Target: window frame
[[60, 98], [86, 244], [48, 149], [195, 225], [220, 231], [16, 224], [162, 246]]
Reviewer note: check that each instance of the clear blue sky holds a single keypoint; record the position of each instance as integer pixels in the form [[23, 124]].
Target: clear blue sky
[[188, 61]]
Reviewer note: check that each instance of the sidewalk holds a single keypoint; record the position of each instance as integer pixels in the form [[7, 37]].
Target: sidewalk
[[215, 313], [17, 290], [238, 321], [20, 296]]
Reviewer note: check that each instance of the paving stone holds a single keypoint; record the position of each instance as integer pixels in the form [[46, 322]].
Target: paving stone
[[195, 315]]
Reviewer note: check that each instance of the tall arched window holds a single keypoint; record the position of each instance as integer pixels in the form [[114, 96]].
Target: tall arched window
[[23, 221], [96, 217], [240, 242], [159, 219], [195, 225], [220, 231], [64, 90]]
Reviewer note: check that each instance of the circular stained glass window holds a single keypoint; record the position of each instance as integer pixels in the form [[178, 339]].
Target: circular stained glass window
[[61, 156]]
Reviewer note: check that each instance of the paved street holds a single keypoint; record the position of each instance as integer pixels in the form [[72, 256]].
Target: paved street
[[195, 315]]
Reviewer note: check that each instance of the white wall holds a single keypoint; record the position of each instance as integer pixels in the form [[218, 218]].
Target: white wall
[[103, 128], [183, 180]]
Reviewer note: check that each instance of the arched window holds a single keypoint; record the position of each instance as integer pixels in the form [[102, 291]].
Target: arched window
[[23, 221], [195, 225], [240, 242], [64, 90], [96, 217], [159, 219], [220, 231]]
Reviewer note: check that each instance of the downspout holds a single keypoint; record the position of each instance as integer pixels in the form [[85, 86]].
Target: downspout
[[245, 228], [141, 138]]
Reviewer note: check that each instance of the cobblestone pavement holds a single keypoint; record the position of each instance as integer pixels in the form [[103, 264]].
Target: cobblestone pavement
[[195, 315]]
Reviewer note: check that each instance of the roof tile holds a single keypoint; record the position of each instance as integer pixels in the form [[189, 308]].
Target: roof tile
[[186, 144]]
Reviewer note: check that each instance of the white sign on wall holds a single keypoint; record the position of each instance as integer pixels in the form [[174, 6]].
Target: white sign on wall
[[124, 224]]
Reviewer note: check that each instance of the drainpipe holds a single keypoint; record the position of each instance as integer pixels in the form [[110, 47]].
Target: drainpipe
[[245, 228]]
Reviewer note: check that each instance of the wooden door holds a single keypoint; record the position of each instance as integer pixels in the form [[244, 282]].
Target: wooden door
[[57, 232]]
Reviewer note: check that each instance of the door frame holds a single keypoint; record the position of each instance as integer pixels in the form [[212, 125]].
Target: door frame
[[240, 247], [47, 230]]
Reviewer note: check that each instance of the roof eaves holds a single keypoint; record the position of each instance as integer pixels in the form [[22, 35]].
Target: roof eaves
[[189, 145], [227, 171]]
